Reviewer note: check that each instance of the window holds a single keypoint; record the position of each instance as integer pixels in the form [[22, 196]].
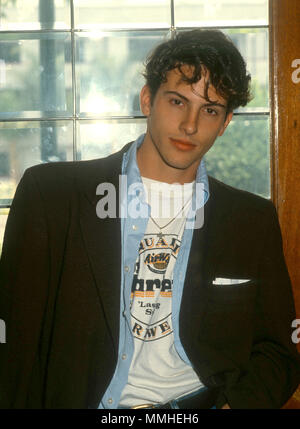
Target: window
[[66, 82]]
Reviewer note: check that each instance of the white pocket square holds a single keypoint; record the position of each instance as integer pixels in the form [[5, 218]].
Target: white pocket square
[[225, 281]]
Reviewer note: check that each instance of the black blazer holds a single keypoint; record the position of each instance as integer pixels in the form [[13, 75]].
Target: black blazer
[[60, 295]]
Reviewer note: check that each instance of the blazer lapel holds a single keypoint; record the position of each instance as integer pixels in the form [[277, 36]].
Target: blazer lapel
[[102, 238], [218, 222], [208, 245]]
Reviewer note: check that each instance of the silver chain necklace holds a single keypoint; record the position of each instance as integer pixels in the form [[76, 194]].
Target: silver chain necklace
[[160, 234]]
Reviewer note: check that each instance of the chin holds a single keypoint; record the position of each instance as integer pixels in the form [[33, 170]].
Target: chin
[[178, 165]]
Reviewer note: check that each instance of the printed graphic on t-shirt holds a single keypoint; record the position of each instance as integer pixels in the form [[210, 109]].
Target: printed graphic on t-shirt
[[157, 372], [151, 293]]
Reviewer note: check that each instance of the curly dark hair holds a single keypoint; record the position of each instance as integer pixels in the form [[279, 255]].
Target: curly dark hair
[[204, 50]]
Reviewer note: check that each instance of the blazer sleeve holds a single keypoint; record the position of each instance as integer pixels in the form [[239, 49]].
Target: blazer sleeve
[[273, 371], [24, 274]]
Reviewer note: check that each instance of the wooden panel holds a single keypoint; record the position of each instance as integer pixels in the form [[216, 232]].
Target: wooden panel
[[285, 134]]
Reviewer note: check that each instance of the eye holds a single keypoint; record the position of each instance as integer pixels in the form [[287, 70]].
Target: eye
[[176, 101], [211, 111]]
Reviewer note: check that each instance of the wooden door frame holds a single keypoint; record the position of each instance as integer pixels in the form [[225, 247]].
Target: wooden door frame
[[284, 18]]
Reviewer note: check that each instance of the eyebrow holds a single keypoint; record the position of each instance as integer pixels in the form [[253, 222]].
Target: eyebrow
[[186, 99]]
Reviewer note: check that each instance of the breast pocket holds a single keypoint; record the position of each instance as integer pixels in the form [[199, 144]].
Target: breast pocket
[[229, 312]]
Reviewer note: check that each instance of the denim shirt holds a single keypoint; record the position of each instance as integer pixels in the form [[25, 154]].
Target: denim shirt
[[135, 213]]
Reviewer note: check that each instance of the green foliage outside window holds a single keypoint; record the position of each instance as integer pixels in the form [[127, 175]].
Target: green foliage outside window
[[240, 157]]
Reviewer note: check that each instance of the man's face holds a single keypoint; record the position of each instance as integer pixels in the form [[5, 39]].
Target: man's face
[[181, 127]]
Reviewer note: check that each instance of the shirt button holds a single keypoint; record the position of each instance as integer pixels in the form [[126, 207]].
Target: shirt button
[[124, 356], [110, 401], [135, 227], [126, 268]]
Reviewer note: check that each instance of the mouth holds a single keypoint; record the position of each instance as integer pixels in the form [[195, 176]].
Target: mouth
[[182, 145]]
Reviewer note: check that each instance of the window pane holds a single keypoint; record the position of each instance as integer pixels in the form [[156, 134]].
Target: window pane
[[241, 157], [122, 13], [23, 144], [199, 13], [34, 14], [254, 46], [97, 139], [35, 80], [3, 219], [109, 74]]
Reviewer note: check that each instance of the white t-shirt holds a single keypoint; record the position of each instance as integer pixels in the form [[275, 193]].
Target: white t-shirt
[[157, 373]]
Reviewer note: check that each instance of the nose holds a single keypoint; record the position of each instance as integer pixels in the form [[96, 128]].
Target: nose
[[189, 123]]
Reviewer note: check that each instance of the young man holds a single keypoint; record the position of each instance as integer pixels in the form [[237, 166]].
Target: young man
[[148, 307]]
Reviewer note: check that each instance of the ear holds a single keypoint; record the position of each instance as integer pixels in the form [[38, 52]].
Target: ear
[[145, 100], [226, 123]]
